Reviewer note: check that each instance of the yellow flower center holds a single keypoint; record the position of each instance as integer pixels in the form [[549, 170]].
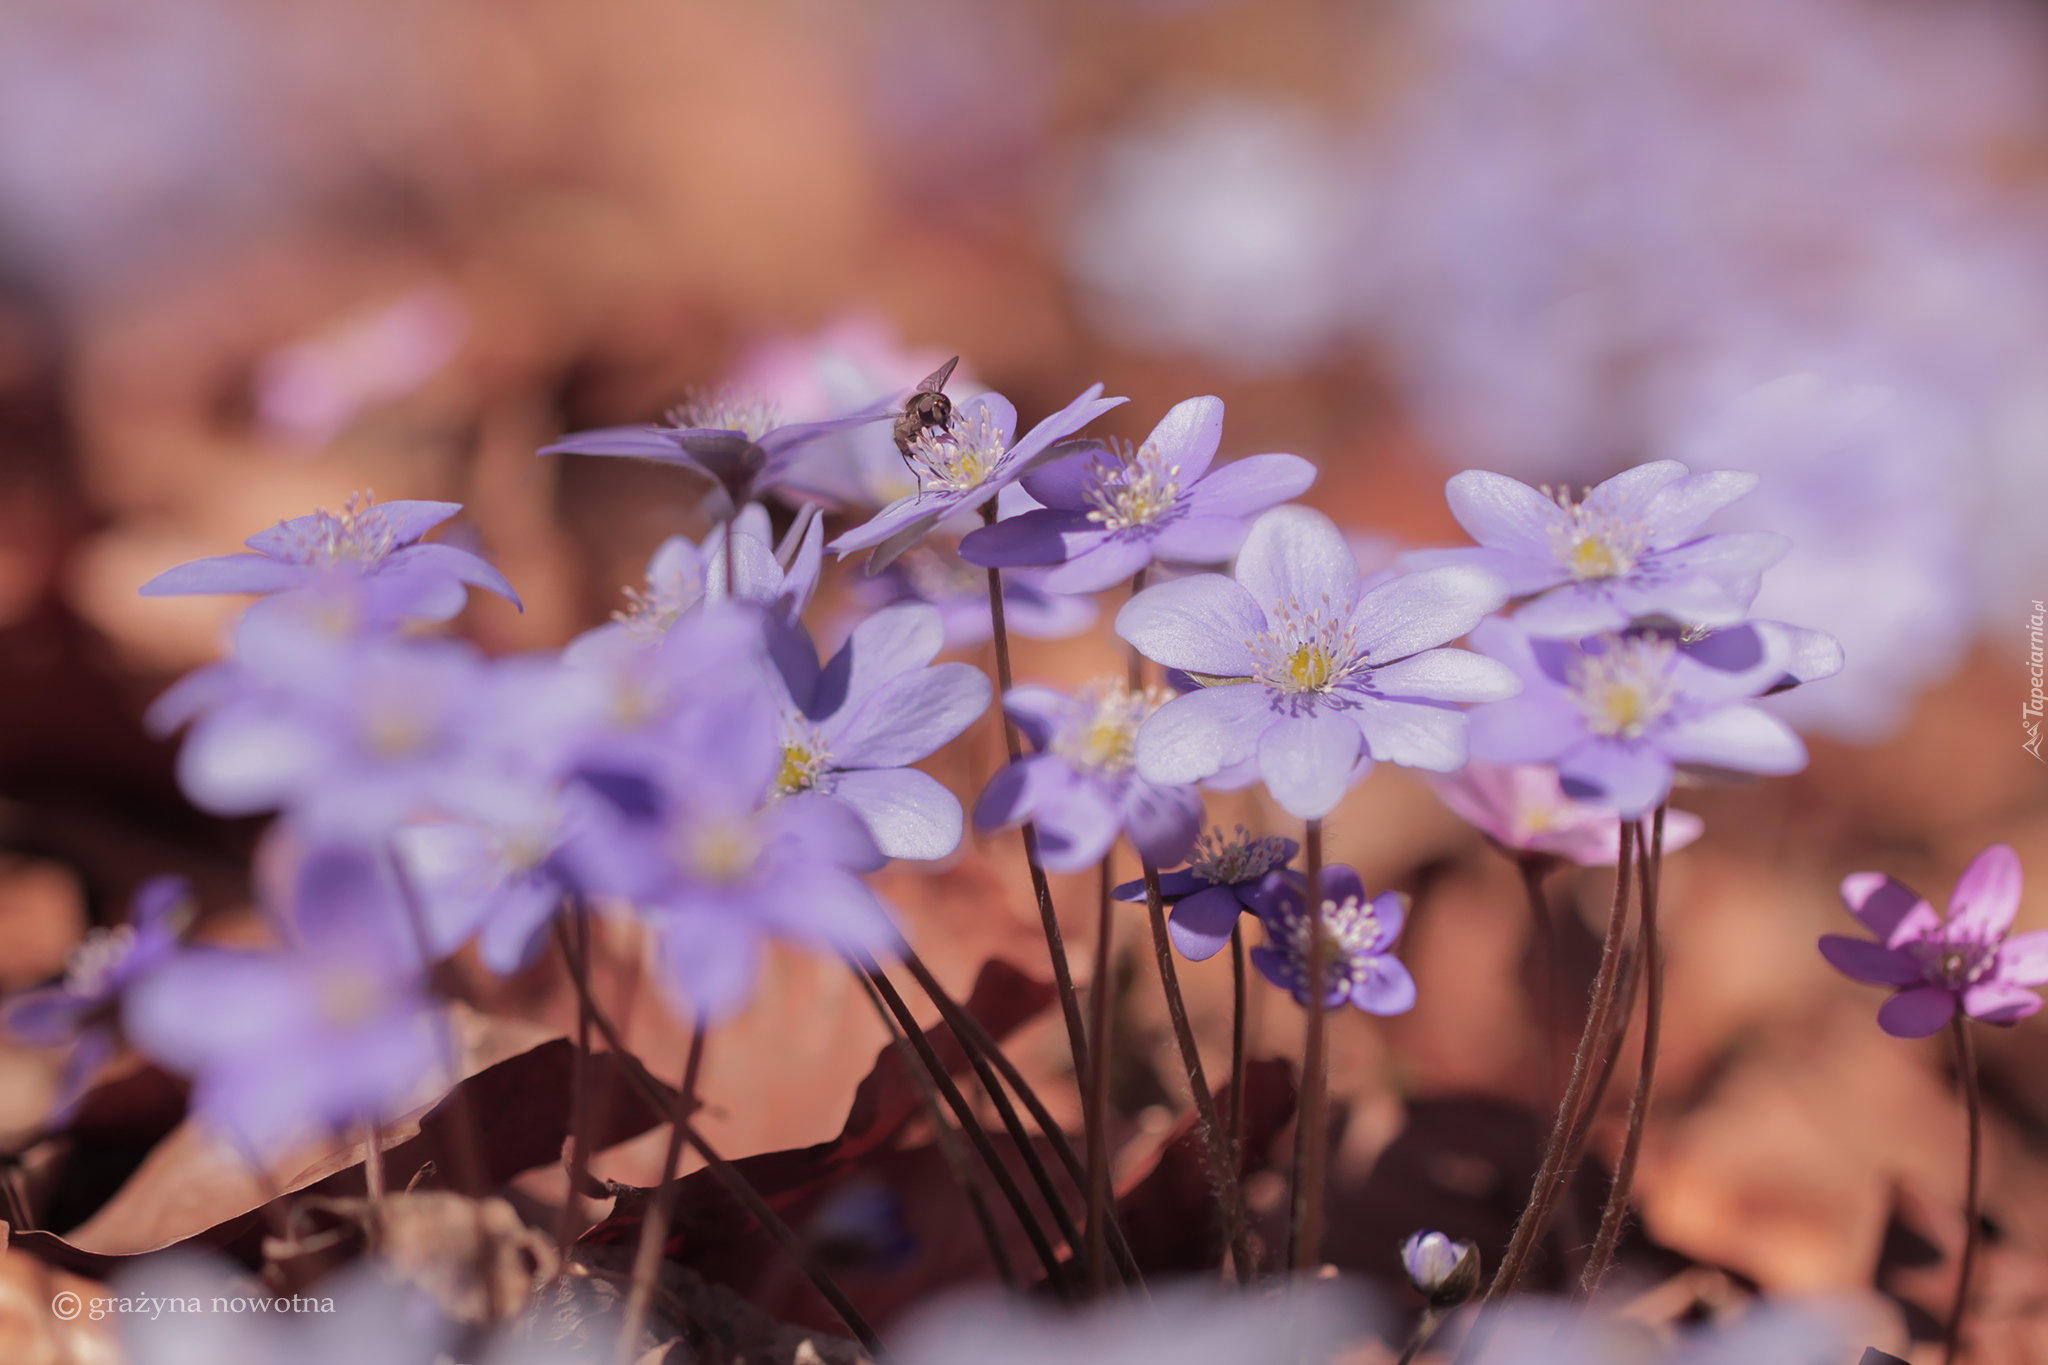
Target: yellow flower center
[[1102, 736], [960, 458], [1627, 688], [805, 761], [1593, 542], [720, 850], [1131, 488], [1310, 650]]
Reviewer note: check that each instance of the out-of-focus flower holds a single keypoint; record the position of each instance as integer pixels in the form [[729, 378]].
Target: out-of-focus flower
[[959, 590], [1443, 1271], [363, 566], [1304, 674], [309, 391], [291, 1044], [1965, 961], [1627, 550], [1218, 230], [1208, 894], [852, 726], [977, 456], [1358, 939], [83, 1011], [1109, 513], [1617, 713], [355, 1317], [1082, 787], [1523, 809]]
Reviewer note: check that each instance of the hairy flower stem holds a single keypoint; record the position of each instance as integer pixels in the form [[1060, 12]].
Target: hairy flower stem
[[1238, 996], [1651, 951], [373, 1178], [970, 1124], [1222, 1173], [1966, 1068], [1534, 867], [1311, 1131], [987, 1057], [654, 1226], [1055, 943], [1423, 1328], [1535, 1219], [948, 1136], [659, 1097], [579, 1099], [1101, 994]]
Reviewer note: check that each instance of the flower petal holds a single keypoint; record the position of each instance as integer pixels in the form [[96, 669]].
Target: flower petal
[[2000, 1002], [1871, 962], [1062, 424], [1419, 611], [1573, 611], [1736, 739], [1632, 490], [646, 442], [1200, 539], [909, 717], [227, 574], [1110, 561], [1678, 509], [1296, 554], [1447, 675], [1040, 537], [1076, 826], [1189, 434], [1200, 925], [1202, 624], [1918, 1012], [1632, 778], [1539, 726], [1384, 987], [2023, 959], [1307, 761], [713, 959], [1502, 513], [1987, 896], [909, 813], [1884, 904], [1412, 734], [1162, 822], [1249, 486], [1017, 793], [1200, 734], [887, 644]]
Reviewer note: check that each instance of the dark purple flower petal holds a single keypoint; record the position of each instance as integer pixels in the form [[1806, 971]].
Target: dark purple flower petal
[[1018, 792], [1040, 537], [1918, 1012], [1037, 711], [1870, 962], [1063, 480], [1200, 925], [1110, 561]]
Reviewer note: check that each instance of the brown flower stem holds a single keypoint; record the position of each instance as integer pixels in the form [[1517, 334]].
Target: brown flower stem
[[1311, 1131], [988, 1058], [1534, 867], [654, 1226], [948, 1136], [658, 1097], [1055, 942], [1238, 998], [1101, 994], [1535, 1219], [970, 1124], [1222, 1175], [1134, 662], [1423, 1328], [373, 1177], [1966, 1067], [579, 1097]]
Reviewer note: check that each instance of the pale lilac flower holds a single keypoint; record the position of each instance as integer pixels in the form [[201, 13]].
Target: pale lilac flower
[[1358, 934], [1209, 893], [852, 726], [1965, 961], [1443, 1271], [1524, 810], [977, 456], [83, 1011], [309, 391], [364, 566], [925, 573], [1627, 550], [1617, 714], [1082, 788], [354, 1316], [1307, 674], [1110, 511]]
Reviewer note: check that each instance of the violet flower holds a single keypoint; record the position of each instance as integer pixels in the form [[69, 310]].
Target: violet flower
[[1109, 512], [972, 460], [83, 1011], [1082, 788], [729, 436], [1627, 550], [362, 566], [1618, 713], [959, 590], [1209, 893], [1444, 1272], [1358, 936], [1938, 965], [852, 726], [1307, 675], [1523, 809]]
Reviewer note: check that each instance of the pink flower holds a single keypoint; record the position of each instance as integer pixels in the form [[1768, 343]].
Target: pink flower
[[1524, 809]]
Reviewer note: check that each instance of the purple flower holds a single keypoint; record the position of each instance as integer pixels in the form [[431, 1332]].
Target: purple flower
[[1627, 550], [1358, 936], [851, 726], [1617, 713], [1082, 788], [960, 592], [974, 459], [730, 437], [83, 1011], [1110, 512], [1208, 894], [717, 861], [1305, 675], [1938, 964], [363, 566], [1443, 1271], [1523, 809], [289, 1044]]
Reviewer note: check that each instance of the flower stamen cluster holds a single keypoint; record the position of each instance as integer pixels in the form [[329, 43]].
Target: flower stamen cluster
[[90, 966], [1128, 488], [360, 533], [722, 851], [726, 409], [1593, 542], [1244, 858], [1102, 736], [806, 759], [962, 457], [1627, 687], [1312, 650], [1350, 932]]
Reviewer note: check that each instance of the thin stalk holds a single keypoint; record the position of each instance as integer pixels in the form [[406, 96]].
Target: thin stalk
[[948, 1136], [1966, 1065], [1134, 662], [1311, 1133], [724, 1172], [1238, 997], [970, 1124], [1534, 867], [654, 1226], [1222, 1175], [1101, 993], [1535, 1219], [579, 1100], [1055, 942], [1651, 951], [1423, 1328], [987, 1057], [373, 1177]]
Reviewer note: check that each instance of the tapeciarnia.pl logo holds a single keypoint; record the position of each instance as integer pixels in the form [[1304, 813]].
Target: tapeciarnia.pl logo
[[2030, 712]]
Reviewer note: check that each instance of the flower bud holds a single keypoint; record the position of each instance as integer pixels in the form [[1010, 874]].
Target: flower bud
[[1443, 1271]]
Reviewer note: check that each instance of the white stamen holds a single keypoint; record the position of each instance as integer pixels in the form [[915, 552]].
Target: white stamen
[[962, 457], [1627, 688], [726, 409], [90, 966], [1101, 733], [1310, 650], [1131, 488], [1591, 542], [358, 534]]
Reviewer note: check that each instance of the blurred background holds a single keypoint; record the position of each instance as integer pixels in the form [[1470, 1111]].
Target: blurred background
[[254, 258]]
